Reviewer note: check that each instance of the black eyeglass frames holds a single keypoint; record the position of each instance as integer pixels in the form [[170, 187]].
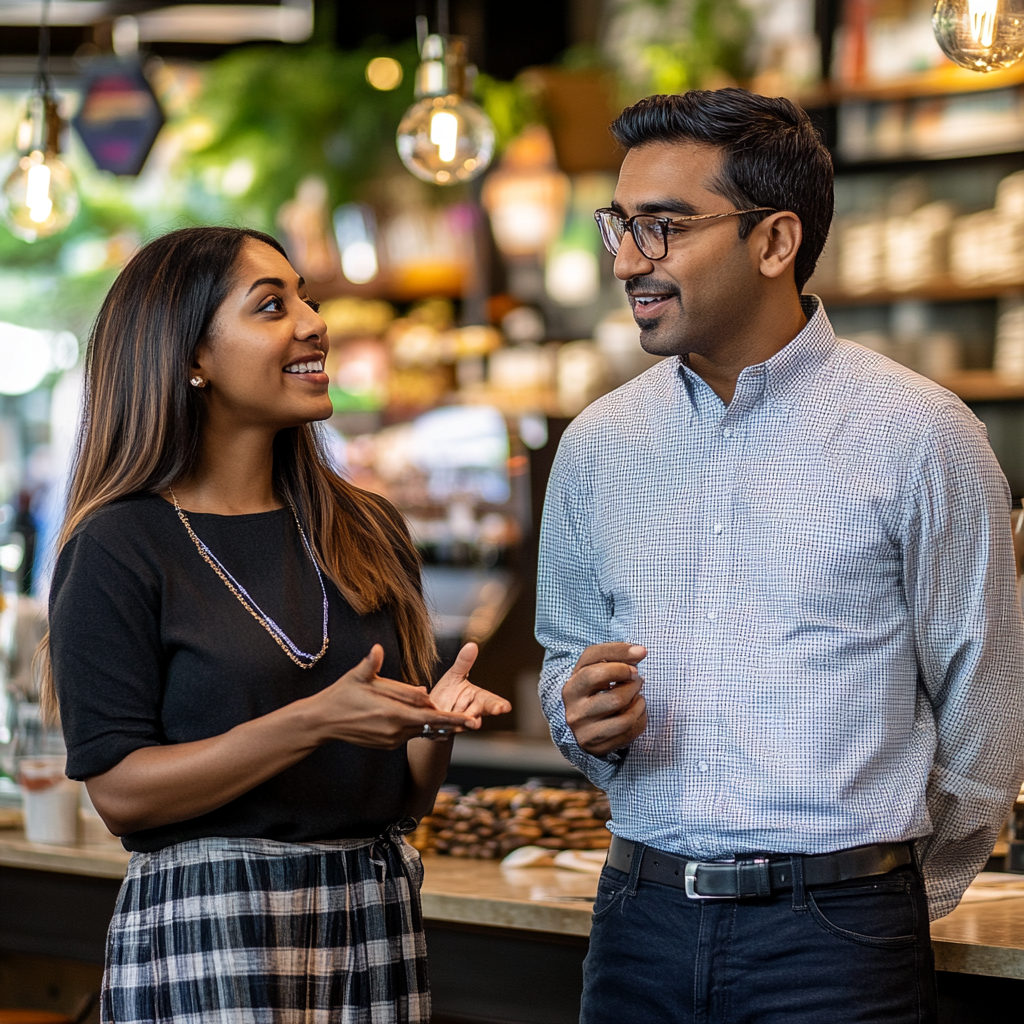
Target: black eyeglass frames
[[650, 232]]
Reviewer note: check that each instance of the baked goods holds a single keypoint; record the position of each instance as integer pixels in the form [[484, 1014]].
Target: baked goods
[[489, 823]]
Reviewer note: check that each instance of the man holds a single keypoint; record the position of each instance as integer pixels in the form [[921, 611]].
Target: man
[[808, 548]]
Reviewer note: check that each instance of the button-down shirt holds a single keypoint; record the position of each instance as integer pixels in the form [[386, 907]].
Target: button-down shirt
[[822, 574]]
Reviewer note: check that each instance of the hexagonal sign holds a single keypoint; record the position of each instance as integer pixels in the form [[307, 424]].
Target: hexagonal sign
[[119, 118]]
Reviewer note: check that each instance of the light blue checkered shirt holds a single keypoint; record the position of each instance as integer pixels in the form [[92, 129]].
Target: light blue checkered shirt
[[822, 574]]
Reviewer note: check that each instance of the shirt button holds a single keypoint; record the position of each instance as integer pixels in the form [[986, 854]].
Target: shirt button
[[703, 766], [712, 615], [719, 527], [727, 432]]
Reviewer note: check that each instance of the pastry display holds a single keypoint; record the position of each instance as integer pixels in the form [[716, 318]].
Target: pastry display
[[490, 823]]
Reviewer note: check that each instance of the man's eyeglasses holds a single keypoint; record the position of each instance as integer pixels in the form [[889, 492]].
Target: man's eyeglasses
[[651, 233]]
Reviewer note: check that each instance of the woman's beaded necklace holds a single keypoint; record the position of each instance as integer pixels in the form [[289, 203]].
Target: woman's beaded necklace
[[301, 658]]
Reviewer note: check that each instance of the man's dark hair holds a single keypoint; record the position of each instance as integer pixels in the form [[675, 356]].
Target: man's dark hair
[[772, 155]]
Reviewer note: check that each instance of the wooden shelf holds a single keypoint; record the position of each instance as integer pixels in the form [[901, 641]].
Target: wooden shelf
[[942, 290], [984, 386], [943, 81]]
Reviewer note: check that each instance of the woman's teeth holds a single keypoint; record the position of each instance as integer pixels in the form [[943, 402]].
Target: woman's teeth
[[317, 367]]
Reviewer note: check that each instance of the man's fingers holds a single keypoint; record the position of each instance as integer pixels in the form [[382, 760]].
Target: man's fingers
[[606, 734], [624, 652], [594, 678], [604, 704]]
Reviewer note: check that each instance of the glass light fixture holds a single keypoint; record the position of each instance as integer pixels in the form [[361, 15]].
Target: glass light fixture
[[444, 138], [982, 35], [526, 195], [39, 197]]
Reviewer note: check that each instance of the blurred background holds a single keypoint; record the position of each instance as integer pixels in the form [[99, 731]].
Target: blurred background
[[471, 319]]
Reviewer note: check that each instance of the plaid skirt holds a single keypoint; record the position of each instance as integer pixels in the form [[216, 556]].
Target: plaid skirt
[[252, 931]]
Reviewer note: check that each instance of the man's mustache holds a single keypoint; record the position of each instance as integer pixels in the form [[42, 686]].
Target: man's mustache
[[640, 285]]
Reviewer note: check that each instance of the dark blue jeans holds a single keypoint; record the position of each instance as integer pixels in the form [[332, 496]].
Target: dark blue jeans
[[858, 951]]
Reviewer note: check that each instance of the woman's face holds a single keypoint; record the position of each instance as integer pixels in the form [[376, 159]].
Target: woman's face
[[263, 357]]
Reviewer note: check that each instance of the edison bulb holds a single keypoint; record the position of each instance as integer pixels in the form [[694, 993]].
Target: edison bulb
[[39, 197], [445, 139], [982, 35]]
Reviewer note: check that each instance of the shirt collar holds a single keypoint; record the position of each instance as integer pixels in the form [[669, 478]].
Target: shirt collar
[[792, 365], [786, 371]]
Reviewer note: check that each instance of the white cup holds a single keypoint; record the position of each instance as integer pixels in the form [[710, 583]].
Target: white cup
[[51, 800]]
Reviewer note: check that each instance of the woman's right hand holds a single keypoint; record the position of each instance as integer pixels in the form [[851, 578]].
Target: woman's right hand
[[159, 785], [369, 710]]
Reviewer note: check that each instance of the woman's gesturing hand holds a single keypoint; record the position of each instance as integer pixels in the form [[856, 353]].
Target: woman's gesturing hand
[[454, 692], [368, 710]]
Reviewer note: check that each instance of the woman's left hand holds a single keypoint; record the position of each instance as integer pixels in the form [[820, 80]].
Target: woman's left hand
[[455, 693]]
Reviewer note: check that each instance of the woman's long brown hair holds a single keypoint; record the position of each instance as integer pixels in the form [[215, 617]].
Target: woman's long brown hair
[[142, 422]]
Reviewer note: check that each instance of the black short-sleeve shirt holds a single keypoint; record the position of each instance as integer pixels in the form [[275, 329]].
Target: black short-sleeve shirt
[[150, 647]]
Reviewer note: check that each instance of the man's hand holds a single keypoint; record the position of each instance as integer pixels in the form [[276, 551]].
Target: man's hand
[[603, 704]]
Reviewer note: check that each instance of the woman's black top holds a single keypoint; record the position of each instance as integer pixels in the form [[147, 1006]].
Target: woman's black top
[[149, 647]]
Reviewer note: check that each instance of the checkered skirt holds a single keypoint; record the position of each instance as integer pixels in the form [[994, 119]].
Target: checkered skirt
[[252, 931]]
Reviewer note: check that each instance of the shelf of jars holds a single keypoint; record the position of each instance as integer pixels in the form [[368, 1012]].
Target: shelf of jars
[[938, 82], [984, 386], [940, 289]]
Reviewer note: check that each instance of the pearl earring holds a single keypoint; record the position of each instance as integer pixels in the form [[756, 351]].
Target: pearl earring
[[197, 382]]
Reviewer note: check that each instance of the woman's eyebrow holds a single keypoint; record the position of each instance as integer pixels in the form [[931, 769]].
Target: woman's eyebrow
[[276, 282]]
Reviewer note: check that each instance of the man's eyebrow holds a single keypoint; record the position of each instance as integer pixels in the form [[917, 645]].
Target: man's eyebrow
[[679, 206], [276, 282]]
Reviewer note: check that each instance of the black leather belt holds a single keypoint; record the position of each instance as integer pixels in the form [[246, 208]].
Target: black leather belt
[[749, 876]]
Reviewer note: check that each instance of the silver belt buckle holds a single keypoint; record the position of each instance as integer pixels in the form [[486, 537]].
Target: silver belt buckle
[[690, 883]]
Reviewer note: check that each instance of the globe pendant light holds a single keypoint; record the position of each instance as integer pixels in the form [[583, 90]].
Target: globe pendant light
[[982, 35], [444, 138], [39, 198]]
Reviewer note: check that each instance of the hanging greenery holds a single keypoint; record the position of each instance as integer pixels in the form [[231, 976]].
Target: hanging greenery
[[669, 46], [511, 106], [276, 115]]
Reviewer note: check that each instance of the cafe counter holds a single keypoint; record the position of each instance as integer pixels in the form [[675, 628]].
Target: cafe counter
[[505, 945]]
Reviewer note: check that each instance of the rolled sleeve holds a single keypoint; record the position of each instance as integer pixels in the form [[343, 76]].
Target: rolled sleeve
[[969, 641]]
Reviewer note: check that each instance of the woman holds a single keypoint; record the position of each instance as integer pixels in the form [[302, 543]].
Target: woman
[[228, 622]]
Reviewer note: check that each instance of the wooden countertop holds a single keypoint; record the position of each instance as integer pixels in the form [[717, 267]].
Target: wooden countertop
[[481, 892], [984, 935], [101, 857]]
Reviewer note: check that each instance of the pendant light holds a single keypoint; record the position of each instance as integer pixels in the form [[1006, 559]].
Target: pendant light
[[39, 197], [444, 137], [981, 35]]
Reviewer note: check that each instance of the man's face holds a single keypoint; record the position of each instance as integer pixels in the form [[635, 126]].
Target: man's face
[[694, 299]]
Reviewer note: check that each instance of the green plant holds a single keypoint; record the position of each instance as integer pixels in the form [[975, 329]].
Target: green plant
[[509, 105], [286, 113], [669, 46]]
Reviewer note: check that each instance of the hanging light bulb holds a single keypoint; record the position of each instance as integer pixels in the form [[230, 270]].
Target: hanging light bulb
[[982, 35], [39, 195], [444, 138], [39, 198]]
